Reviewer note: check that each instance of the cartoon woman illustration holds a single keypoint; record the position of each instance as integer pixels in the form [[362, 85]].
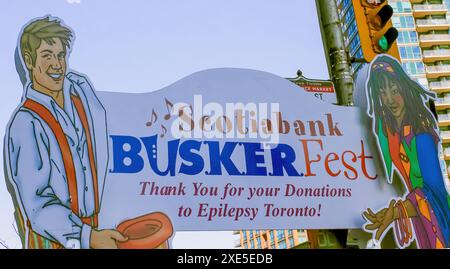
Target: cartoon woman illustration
[[407, 137]]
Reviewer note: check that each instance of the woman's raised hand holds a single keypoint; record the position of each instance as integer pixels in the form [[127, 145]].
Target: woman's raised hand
[[381, 220]]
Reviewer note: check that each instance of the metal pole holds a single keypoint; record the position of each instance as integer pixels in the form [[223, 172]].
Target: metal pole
[[340, 72], [335, 52]]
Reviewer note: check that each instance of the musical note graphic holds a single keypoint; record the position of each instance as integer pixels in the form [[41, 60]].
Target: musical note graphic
[[153, 118], [164, 129], [169, 107]]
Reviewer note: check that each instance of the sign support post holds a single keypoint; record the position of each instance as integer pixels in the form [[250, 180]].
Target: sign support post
[[339, 70], [335, 52]]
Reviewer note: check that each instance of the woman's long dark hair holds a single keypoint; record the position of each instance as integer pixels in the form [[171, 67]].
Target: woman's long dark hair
[[387, 70]]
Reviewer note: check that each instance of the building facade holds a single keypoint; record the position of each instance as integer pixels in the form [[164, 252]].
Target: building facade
[[270, 239], [424, 47], [298, 239]]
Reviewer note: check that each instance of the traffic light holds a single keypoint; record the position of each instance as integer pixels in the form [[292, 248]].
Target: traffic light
[[373, 19]]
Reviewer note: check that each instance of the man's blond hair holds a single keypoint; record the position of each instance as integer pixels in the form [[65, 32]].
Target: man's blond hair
[[43, 29]]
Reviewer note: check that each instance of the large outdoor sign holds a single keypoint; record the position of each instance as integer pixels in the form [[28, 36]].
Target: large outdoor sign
[[221, 149], [229, 149]]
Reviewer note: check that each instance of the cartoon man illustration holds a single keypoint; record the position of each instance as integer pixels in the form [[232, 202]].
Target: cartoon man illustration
[[56, 150]]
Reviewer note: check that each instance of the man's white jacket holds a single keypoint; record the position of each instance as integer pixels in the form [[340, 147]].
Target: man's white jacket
[[35, 169]]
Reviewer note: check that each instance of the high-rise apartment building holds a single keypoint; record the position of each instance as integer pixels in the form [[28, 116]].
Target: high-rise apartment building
[[424, 47], [299, 239], [270, 239]]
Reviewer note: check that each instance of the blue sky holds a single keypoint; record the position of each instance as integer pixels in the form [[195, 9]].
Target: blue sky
[[142, 46]]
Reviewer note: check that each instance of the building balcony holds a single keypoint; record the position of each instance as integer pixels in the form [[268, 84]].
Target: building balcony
[[445, 135], [436, 71], [443, 120], [428, 40], [448, 171], [430, 56], [442, 103], [447, 154], [422, 10], [440, 86], [425, 25]]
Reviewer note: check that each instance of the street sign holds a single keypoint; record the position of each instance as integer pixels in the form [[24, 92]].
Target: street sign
[[322, 89]]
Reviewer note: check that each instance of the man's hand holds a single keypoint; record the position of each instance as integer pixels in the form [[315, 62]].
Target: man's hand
[[77, 78], [106, 239], [380, 220]]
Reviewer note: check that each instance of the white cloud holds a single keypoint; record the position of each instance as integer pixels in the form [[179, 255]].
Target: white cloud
[[73, 1]]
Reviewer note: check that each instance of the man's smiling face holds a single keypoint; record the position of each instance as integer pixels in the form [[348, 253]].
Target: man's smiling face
[[50, 66]]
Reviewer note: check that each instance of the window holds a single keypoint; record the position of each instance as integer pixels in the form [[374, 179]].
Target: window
[[403, 22], [359, 53], [282, 245], [326, 239], [407, 21], [401, 7], [401, 38], [410, 52], [352, 29], [447, 3], [345, 3], [349, 16], [331, 239], [291, 242], [407, 37], [280, 235], [322, 240], [403, 53], [420, 68], [396, 22], [416, 52], [355, 44], [357, 66], [413, 36], [414, 68]]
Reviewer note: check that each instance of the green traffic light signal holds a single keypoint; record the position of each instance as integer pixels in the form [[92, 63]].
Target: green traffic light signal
[[383, 44]]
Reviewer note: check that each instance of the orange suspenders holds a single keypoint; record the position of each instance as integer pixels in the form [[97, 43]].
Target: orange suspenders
[[66, 154], [84, 121]]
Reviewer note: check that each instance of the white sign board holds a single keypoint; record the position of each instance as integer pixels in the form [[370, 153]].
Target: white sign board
[[317, 170]]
